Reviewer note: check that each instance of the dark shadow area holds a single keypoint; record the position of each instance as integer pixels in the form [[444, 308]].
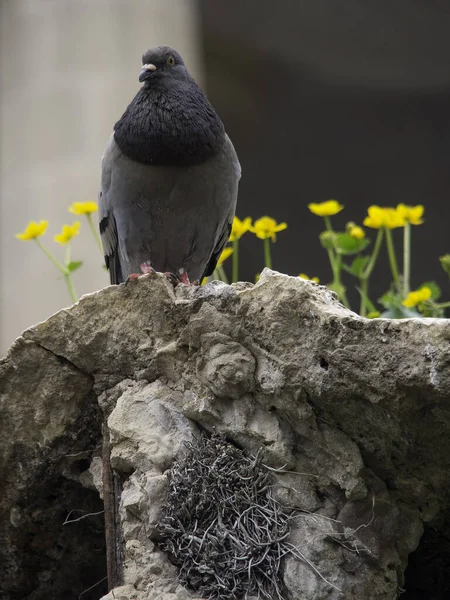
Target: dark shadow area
[[427, 575], [61, 560], [52, 539]]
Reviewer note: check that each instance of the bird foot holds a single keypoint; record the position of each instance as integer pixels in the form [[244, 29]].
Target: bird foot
[[180, 277], [132, 277], [183, 277], [175, 279], [146, 269]]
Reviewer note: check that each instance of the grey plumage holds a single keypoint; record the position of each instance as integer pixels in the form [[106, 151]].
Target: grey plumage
[[169, 177]]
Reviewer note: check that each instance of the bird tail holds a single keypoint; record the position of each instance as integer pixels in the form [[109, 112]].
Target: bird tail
[[115, 271]]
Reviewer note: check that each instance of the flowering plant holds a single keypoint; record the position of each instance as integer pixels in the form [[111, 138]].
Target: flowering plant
[[33, 231], [399, 301], [350, 251]]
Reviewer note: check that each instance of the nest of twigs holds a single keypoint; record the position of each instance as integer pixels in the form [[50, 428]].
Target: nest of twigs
[[222, 527]]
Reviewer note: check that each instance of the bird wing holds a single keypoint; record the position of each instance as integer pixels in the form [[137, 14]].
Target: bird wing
[[225, 231], [107, 222], [220, 245]]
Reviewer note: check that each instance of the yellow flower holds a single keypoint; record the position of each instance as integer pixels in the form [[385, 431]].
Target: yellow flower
[[374, 314], [356, 232], [83, 208], [304, 276], [383, 217], [393, 218], [375, 217], [239, 228], [33, 230], [67, 233], [412, 214], [266, 227], [226, 252], [326, 209], [414, 298]]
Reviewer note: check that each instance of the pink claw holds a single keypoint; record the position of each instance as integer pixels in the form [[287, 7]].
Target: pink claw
[[147, 268], [132, 277], [183, 277]]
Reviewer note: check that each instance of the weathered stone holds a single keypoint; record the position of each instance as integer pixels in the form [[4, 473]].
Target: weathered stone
[[124, 592], [146, 431], [50, 427], [225, 366], [356, 411]]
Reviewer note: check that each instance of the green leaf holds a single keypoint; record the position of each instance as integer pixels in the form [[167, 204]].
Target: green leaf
[[390, 300], [358, 265], [400, 312], [445, 263], [434, 288], [407, 313], [346, 244], [389, 314], [74, 266], [428, 309]]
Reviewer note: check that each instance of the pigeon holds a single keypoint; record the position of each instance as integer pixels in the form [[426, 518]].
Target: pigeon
[[170, 178]]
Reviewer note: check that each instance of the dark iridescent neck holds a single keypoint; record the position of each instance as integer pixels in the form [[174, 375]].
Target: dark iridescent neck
[[170, 123]]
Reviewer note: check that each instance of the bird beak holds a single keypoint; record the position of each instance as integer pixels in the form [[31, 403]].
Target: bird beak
[[147, 70]]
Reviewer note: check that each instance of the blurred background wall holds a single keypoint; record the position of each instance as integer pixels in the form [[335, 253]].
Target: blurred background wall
[[68, 70], [323, 99]]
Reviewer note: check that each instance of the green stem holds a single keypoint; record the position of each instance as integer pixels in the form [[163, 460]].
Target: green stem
[[72, 292], [373, 258], [337, 279], [392, 259], [216, 275], [222, 274], [68, 276], [364, 291], [364, 279], [49, 255], [267, 253], [68, 253], [406, 258], [442, 304], [95, 232], [60, 268], [235, 264], [332, 258], [331, 255], [336, 266]]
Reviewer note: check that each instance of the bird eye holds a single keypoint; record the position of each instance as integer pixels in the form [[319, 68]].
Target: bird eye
[[171, 61]]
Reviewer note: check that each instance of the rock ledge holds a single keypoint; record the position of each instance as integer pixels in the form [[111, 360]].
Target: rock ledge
[[356, 411]]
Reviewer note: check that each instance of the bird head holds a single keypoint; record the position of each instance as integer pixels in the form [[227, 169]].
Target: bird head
[[161, 61]]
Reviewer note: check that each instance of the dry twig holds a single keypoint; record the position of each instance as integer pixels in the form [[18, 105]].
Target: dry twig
[[222, 527]]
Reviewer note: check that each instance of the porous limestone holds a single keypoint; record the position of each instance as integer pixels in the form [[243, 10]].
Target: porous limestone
[[354, 412]]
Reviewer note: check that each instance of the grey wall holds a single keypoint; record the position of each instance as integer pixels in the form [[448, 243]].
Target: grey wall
[[68, 70]]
